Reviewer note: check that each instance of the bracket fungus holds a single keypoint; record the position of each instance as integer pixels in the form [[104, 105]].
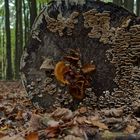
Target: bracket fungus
[[61, 23]]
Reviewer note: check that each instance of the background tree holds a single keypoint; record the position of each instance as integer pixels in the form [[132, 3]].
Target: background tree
[[33, 11], [129, 4], [9, 74], [118, 2], [138, 7], [26, 21], [18, 36]]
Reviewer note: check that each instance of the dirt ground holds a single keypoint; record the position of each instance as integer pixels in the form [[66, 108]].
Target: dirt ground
[[20, 120]]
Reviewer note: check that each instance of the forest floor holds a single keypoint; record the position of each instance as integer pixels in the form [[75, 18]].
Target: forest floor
[[20, 120]]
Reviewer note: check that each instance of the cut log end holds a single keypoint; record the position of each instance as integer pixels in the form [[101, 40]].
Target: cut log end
[[107, 40]]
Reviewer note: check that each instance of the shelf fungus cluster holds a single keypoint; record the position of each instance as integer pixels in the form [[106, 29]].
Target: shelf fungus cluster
[[73, 75], [61, 23], [125, 56], [100, 24]]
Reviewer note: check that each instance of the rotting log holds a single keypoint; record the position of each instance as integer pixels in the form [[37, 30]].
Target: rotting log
[[85, 53]]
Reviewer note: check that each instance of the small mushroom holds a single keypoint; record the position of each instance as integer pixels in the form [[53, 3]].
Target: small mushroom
[[76, 91], [60, 70], [47, 65]]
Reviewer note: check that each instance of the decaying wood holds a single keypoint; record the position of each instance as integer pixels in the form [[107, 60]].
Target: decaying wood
[[104, 35]]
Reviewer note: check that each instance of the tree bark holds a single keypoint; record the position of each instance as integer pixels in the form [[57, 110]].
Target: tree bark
[[18, 36], [33, 11], [9, 73], [0, 53], [25, 22], [3, 54]]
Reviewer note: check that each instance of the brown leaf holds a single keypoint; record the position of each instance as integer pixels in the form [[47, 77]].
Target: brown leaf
[[100, 125], [15, 137], [1, 135], [71, 137], [53, 123], [32, 136], [19, 115], [4, 128], [113, 112], [76, 131], [52, 132], [59, 72], [88, 68], [35, 122], [130, 129], [81, 120], [62, 113], [96, 122], [83, 110]]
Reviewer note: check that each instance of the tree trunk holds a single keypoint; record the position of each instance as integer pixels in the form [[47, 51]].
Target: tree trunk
[[25, 22], [18, 36], [3, 54], [138, 7], [9, 74], [33, 11], [129, 4], [0, 52]]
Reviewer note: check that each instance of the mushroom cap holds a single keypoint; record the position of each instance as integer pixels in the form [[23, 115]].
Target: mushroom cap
[[47, 65]]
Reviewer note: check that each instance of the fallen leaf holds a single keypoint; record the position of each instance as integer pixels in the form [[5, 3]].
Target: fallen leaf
[[100, 125], [83, 110], [19, 115], [52, 132], [76, 131], [71, 137], [4, 128], [94, 120], [113, 112], [62, 113], [35, 122], [32, 136], [1, 135], [111, 135], [130, 129], [81, 120], [15, 137], [52, 123]]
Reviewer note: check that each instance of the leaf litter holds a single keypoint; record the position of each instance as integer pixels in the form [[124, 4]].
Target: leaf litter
[[20, 120]]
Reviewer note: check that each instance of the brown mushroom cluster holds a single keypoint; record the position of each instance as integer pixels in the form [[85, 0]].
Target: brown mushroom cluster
[[61, 23], [75, 76]]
